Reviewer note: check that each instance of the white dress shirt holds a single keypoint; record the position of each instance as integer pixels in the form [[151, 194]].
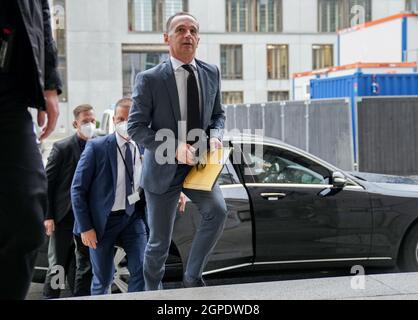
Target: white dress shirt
[[120, 194], [181, 76]]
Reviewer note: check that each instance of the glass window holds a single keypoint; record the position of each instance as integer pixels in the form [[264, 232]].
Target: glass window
[[358, 12], [334, 15], [269, 16], [239, 15], [329, 19], [412, 5], [277, 96], [322, 56], [277, 61], [232, 97], [60, 35], [274, 165], [152, 15], [253, 15], [228, 175], [231, 62], [134, 62]]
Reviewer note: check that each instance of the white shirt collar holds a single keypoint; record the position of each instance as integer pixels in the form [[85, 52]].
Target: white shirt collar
[[121, 142], [177, 63]]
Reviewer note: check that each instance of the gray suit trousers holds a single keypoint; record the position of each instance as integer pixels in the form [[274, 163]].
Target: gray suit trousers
[[161, 216]]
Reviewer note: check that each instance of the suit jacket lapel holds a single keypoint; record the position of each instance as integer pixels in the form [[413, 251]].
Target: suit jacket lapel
[[76, 148], [112, 155], [203, 81], [171, 85]]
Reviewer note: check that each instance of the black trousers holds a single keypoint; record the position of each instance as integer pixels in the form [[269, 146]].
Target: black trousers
[[60, 254], [68, 253], [83, 274], [22, 201]]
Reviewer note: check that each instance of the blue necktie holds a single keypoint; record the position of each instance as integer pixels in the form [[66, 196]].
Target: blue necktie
[[130, 208]]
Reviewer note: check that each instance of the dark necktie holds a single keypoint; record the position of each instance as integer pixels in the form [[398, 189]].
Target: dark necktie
[[129, 168], [193, 110]]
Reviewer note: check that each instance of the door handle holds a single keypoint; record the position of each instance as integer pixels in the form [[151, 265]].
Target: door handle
[[273, 196]]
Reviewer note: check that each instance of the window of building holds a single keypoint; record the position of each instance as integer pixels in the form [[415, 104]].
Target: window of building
[[412, 5], [232, 97], [277, 96], [277, 61], [136, 59], [152, 15], [231, 61], [253, 15], [60, 36], [322, 56], [334, 15]]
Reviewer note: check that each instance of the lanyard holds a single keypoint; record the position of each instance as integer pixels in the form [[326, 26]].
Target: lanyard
[[131, 178]]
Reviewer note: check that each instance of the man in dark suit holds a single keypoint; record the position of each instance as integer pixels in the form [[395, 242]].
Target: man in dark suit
[[180, 90], [28, 78], [59, 220], [108, 204]]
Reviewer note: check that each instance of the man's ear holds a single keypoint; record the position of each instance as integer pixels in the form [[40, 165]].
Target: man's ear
[[166, 37], [75, 124]]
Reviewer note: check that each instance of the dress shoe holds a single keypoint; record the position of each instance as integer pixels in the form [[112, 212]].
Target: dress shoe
[[194, 283]]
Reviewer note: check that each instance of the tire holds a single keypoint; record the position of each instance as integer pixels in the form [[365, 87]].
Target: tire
[[408, 261], [121, 277]]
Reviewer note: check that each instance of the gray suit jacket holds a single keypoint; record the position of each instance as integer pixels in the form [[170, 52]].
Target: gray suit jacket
[[156, 106]]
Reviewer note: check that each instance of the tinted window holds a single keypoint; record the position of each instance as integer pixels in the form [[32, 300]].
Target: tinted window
[[274, 165], [228, 175]]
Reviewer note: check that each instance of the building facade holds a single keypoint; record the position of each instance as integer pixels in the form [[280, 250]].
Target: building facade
[[257, 44]]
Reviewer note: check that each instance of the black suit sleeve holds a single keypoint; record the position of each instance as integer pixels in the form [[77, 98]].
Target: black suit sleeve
[[52, 78], [53, 169]]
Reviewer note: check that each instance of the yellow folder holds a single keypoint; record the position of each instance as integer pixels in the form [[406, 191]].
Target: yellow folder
[[203, 176]]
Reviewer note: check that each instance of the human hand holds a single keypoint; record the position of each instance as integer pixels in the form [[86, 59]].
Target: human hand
[[185, 154], [89, 238], [182, 203], [52, 112], [49, 225], [214, 143]]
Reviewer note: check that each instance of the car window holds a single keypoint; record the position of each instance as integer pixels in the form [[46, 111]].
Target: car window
[[224, 177], [274, 165], [228, 175]]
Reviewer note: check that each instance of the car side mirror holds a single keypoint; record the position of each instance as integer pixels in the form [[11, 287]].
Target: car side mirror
[[338, 180]]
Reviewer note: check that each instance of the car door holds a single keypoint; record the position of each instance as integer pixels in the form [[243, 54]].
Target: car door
[[235, 246], [293, 221]]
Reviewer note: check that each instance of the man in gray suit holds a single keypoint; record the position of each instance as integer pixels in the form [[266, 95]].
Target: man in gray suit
[[180, 91]]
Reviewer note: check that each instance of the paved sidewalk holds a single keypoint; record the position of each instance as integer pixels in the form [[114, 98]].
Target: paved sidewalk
[[395, 286]]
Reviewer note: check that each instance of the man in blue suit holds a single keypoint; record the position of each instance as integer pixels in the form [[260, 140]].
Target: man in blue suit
[[180, 92], [108, 208]]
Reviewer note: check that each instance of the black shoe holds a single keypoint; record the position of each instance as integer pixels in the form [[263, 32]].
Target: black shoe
[[194, 284]]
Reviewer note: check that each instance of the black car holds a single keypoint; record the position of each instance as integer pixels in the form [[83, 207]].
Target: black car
[[288, 208]]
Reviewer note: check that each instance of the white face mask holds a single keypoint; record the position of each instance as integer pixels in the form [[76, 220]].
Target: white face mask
[[122, 129], [88, 130]]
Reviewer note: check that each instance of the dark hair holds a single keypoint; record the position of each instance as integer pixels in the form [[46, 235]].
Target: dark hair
[[81, 108], [182, 13]]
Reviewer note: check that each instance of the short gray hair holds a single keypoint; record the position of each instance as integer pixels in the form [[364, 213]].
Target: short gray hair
[[182, 13]]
